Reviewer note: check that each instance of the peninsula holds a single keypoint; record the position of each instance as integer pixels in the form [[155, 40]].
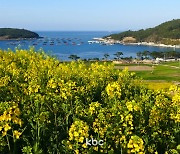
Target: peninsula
[[13, 33], [166, 35]]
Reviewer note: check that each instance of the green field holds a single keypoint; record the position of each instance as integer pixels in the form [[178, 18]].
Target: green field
[[176, 63], [163, 72]]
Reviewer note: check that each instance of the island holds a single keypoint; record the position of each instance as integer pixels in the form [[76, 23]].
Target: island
[[14, 33], [166, 35]]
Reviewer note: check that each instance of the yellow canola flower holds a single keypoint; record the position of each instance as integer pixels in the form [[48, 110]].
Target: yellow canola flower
[[7, 127], [84, 145], [70, 146], [95, 148], [86, 128], [16, 134], [76, 134], [20, 122], [135, 144], [113, 89], [4, 133], [97, 104], [136, 108], [130, 146], [5, 117], [17, 111], [129, 106], [1, 118], [91, 109], [8, 117], [81, 139], [76, 151]]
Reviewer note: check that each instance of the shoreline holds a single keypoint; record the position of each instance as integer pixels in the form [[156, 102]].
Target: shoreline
[[154, 44], [110, 41], [17, 39]]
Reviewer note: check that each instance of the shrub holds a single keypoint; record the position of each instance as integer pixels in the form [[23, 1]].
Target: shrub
[[52, 107]]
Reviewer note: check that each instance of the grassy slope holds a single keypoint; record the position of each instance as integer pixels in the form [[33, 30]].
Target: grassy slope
[[176, 63], [166, 73], [161, 73]]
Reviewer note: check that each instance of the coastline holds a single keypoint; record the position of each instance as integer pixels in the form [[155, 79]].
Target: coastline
[[17, 39], [154, 44], [110, 41]]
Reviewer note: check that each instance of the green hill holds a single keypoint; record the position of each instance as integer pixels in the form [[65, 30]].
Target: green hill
[[12, 33], [166, 33]]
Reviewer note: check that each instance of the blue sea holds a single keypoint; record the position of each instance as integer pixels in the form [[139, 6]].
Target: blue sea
[[64, 43]]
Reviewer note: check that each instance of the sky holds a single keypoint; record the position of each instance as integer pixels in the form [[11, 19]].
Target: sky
[[87, 15]]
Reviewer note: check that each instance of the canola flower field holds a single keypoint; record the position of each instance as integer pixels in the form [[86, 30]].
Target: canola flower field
[[47, 106]]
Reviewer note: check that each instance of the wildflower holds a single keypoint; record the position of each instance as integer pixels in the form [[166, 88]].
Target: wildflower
[[95, 148], [113, 89], [7, 117], [84, 145], [17, 111], [1, 118], [7, 127], [70, 146], [76, 134], [16, 134], [81, 139], [77, 151], [4, 133], [129, 106]]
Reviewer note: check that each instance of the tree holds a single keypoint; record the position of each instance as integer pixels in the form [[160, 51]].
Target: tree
[[139, 55], [154, 54], [146, 54], [118, 55], [106, 55], [74, 57], [96, 59]]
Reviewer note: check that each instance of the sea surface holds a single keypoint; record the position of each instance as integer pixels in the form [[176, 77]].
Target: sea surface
[[64, 43]]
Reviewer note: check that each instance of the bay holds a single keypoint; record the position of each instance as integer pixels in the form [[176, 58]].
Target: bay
[[64, 43]]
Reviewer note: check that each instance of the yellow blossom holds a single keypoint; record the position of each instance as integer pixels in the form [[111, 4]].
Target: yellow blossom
[[95, 148], [16, 134], [76, 134], [7, 127], [17, 111], [76, 151], [129, 106], [70, 146], [4, 133], [84, 145], [81, 139]]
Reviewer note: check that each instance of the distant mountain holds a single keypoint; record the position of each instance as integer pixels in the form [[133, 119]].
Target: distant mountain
[[12, 33], [166, 33]]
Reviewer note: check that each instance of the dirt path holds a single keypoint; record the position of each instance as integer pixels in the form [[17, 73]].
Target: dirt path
[[136, 68]]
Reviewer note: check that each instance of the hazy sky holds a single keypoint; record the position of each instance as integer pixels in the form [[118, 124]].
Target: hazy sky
[[111, 15]]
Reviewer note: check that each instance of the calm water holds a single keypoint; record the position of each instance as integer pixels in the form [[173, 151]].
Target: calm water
[[63, 44]]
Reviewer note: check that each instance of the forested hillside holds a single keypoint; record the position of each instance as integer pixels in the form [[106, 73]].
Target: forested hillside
[[166, 33], [11, 33]]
